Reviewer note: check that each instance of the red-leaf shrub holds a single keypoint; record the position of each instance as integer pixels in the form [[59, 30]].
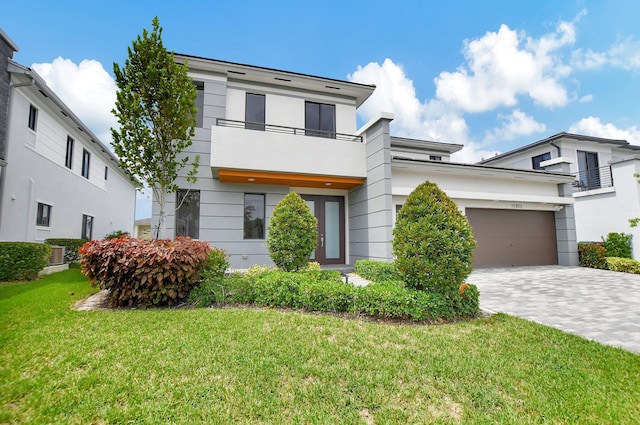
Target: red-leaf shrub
[[139, 272]]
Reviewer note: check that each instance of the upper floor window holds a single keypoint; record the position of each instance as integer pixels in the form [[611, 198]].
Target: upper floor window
[[435, 157], [320, 119], [254, 113], [44, 215], [68, 160], [86, 159], [87, 227], [253, 216], [33, 117], [536, 160], [188, 213], [106, 172], [199, 103], [588, 170]]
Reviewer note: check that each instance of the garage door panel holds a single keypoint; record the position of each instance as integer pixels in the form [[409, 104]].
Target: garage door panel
[[507, 238]]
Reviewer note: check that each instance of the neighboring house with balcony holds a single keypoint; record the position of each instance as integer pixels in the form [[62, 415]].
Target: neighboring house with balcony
[[262, 133], [605, 190], [57, 179]]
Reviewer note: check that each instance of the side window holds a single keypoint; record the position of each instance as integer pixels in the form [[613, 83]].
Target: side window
[[33, 117], [86, 161], [68, 160], [87, 227], [199, 103], [44, 215], [320, 120], [254, 216], [254, 113], [106, 172], [536, 160], [188, 213]]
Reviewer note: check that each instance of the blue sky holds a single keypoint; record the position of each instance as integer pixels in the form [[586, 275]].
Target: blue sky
[[492, 75]]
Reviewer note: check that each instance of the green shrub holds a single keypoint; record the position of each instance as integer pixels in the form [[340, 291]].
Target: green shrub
[[216, 265], [258, 269], [292, 233], [140, 272], [222, 290], [432, 241], [71, 247], [617, 245], [591, 255], [116, 234], [626, 265], [377, 271], [22, 260]]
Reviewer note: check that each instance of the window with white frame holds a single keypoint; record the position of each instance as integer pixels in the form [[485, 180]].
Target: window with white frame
[[33, 117], [43, 217], [68, 160], [87, 227], [86, 161]]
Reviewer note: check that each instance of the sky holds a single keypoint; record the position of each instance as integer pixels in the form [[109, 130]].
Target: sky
[[491, 75]]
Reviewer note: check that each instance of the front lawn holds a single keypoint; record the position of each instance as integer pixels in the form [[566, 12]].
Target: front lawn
[[242, 365]]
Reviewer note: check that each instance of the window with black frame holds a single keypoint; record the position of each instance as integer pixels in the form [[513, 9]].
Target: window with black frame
[[320, 120], [254, 216], [188, 213]]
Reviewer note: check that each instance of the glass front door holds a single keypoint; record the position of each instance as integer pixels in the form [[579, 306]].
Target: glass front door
[[329, 210]]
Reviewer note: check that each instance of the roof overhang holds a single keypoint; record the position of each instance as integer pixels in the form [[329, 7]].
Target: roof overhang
[[288, 179], [270, 76]]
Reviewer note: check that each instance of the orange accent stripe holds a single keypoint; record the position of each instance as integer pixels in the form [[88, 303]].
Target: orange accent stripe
[[286, 179]]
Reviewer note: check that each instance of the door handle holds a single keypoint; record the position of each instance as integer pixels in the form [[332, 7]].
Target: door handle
[[321, 241]]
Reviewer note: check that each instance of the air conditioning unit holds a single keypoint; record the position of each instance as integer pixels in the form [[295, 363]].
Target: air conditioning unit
[[57, 255]]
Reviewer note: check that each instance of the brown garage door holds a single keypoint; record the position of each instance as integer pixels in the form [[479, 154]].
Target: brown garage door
[[508, 238]]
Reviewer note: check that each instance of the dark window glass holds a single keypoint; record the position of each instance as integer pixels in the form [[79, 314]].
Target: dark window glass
[[588, 170], [320, 119], [253, 216], [86, 160], [87, 227], [44, 215], [33, 117], [435, 157], [199, 103], [106, 172], [68, 160], [536, 160], [188, 213], [254, 114]]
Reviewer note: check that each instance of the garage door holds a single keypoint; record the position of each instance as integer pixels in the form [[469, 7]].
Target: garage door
[[508, 238]]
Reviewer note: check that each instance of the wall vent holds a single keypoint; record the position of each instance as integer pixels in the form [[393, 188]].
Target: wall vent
[[57, 255]]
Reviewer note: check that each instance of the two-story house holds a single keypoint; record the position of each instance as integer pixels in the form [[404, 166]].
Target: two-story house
[[57, 179], [265, 132], [605, 189]]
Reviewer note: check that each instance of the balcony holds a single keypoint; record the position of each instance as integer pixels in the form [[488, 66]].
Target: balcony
[[271, 154], [597, 178]]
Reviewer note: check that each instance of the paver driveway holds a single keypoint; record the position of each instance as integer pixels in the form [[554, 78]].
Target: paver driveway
[[597, 304]]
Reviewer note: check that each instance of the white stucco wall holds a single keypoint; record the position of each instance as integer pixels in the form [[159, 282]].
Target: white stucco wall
[[36, 172]]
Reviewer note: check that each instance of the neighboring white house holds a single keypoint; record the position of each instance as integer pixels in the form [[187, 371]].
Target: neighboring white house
[[57, 180], [263, 133], [605, 190]]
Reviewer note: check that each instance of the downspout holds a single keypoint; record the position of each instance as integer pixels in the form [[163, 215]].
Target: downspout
[[558, 148], [31, 82]]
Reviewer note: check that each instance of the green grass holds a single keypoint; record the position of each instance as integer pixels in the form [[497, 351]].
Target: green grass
[[161, 366]]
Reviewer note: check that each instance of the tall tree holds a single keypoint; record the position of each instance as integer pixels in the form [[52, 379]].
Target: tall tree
[[155, 107]]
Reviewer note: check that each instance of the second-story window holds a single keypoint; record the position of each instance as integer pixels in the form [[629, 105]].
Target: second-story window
[[199, 103], [33, 117], [320, 119], [536, 160], [254, 113], [86, 160], [68, 160]]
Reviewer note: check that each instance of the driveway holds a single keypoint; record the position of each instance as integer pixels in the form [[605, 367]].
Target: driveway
[[597, 304]]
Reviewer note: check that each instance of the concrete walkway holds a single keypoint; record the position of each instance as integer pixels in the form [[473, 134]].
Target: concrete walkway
[[597, 304]]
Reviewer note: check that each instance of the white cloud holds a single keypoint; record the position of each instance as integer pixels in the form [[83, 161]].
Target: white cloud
[[87, 89], [625, 55], [514, 125], [472, 153], [592, 126], [500, 66], [586, 98]]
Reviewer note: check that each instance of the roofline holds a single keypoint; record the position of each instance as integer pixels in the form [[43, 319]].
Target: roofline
[[16, 68], [620, 142], [447, 147], [365, 89], [538, 173], [9, 41]]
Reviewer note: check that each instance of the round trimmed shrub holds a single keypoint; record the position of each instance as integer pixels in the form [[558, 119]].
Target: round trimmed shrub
[[432, 241], [292, 233]]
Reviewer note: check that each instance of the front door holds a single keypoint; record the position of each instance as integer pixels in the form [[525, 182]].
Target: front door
[[329, 210]]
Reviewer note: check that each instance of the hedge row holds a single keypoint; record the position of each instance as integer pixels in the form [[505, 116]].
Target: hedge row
[[325, 291], [626, 265], [22, 260]]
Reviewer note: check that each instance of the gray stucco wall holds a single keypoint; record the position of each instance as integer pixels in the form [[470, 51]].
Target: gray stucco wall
[[6, 52], [566, 238], [370, 205]]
